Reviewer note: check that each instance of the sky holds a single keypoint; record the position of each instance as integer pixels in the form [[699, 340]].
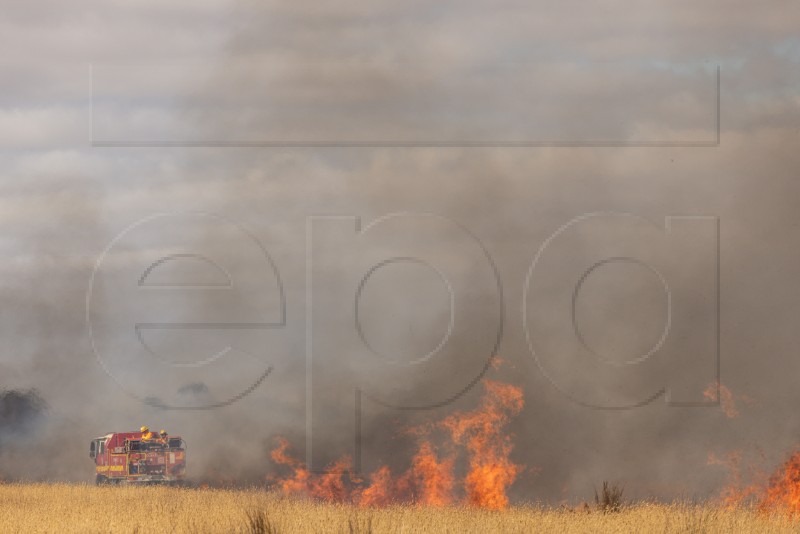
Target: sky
[[332, 189]]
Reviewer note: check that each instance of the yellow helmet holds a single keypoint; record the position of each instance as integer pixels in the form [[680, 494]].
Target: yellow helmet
[[163, 432], [144, 429]]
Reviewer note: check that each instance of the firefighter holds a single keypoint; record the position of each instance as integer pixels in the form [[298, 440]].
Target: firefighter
[[146, 434], [162, 437]]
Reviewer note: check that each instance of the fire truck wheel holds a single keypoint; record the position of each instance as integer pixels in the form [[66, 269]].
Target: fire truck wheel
[[101, 480]]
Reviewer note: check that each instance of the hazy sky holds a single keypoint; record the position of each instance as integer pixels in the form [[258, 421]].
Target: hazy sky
[[618, 106]]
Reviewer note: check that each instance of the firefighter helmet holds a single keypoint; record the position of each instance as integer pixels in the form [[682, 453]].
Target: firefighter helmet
[[144, 429], [162, 433]]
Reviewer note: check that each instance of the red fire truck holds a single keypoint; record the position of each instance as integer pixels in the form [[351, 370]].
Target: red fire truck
[[124, 458]]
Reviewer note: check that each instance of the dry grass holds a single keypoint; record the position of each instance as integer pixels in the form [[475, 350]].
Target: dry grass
[[77, 508], [610, 499]]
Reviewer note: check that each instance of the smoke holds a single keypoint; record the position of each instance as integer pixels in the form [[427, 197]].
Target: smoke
[[20, 412], [62, 208]]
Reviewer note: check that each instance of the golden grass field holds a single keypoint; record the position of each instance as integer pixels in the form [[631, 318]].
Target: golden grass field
[[68, 508]]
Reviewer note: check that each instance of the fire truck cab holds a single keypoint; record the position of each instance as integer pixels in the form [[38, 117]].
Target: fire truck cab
[[124, 458]]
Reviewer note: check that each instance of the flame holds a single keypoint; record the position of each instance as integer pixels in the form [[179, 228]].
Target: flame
[[430, 478], [429, 481], [380, 489], [716, 391], [491, 471], [299, 481], [783, 491], [779, 492], [736, 492], [331, 486]]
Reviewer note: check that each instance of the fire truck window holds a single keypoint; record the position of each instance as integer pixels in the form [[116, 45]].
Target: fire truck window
[[102, 448], [92, 446]]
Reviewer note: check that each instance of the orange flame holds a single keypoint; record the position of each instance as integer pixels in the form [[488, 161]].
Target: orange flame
[[783, 491], [299, 482], [380, 490], [716, 391], [491, 471], [430, 478], [778, 493], [735, 493], [331, 486]]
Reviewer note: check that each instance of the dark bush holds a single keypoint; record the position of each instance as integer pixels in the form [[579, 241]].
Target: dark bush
[[19, 410], [610, 499]]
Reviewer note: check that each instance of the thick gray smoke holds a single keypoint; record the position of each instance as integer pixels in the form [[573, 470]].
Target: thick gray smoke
[[635, 90], [20, 411]]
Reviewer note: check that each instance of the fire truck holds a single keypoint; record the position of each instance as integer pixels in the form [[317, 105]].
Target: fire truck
[[124, 458]]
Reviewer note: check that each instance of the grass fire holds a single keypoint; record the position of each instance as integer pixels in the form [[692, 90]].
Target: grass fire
[[260, 261], [778, 492], [457, 478], [430, 478]]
